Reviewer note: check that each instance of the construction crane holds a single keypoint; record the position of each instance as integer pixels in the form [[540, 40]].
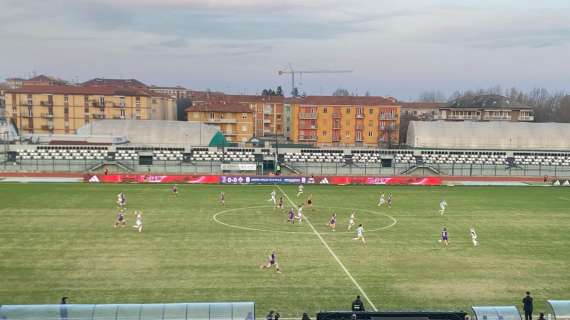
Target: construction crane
[[292, 72]]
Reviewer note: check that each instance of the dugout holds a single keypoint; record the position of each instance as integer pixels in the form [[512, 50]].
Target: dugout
[[497, 313], [162, 311], [560, 309], [396, 315]]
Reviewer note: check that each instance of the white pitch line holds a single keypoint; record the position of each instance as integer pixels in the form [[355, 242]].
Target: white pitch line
[[331, 252]]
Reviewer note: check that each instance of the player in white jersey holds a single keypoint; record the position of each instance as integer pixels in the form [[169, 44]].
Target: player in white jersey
[[382, 200], [273, 199], [300, 214], [360, 234], [138, 222], [473, 234], [351, 220], [300, 190], [121, 200], [442, 206]]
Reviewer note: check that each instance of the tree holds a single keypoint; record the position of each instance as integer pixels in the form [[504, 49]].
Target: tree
[[431, 96], [295, 92], [181, 105], [341, 92], [279, 91], [405, 119]]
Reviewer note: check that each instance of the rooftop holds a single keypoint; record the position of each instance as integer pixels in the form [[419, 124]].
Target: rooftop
[[422, 105], [82, 90], [343, 101], [219, 107], [486, 102]]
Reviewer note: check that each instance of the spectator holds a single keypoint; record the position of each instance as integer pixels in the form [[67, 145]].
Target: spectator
[[106, 171], [357, 305], [527, 306], [305, 316], [541, 316], [270, 315], [276, 316], [63, 309]]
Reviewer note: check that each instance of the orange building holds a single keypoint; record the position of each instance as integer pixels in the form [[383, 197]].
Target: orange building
[[268, 117], [235, 120], [344, 121]]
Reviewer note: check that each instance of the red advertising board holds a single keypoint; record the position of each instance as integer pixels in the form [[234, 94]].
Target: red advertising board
[[375, 180], [138, 178]]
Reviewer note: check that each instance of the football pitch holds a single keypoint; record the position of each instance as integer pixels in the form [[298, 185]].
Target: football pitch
[[58, 240]]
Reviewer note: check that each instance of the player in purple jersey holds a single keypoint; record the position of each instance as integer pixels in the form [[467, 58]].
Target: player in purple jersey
[[222, 198], [332, 222], [444, 236], [120, 221], [272, 261], [291, 216]]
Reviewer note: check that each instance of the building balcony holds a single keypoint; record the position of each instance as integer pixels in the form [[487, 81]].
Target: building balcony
[[214, 120], [98, 116], [47, 127], [526, 118], [119, 105], [27, 115], [119, 117], [308, 138], [47, 115], [46, 104], [360, 116], [336, 127], [336, 115], [359, 126], [304, 115], [266, 121], [305, 127], [388, 117], [494, 118]]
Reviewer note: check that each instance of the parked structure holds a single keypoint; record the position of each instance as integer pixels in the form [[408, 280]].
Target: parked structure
[[236, 121]]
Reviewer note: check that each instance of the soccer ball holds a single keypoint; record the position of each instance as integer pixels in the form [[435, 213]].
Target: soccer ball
[[439, 240]]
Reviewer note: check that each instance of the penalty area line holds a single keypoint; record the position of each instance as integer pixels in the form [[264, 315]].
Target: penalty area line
[[331, 252]]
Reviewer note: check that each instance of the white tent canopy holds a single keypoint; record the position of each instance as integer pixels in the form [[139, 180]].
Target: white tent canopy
[[153, 131], [489, 135]]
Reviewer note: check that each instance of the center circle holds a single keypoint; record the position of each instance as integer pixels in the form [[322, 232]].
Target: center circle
[[217, 218]]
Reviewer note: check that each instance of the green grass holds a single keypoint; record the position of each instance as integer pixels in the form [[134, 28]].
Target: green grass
[[58, 239]]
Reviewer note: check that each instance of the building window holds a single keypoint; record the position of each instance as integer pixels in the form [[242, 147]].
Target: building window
[[371, 111], [370, 133], [211, 115], [244, 115], [325, 110], [347, 110], [122, 102], [347, 134], [221, 115], [102, 102], [138, 101], [324, 132], [154, 101], [30, 100], [65, 99]]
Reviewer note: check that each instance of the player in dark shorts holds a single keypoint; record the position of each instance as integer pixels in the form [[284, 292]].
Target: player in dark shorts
[[280, 204], [291, 216], [390, 200], [332, 222], [120, 220], [175, 190], [444, 236], [310, 200], [272, 261]]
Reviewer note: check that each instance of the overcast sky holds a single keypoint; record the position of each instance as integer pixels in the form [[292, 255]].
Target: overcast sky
[[394, 47]]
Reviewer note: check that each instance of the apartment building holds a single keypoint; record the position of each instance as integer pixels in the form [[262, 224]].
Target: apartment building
[[421, 110], [177, 92], [486, 108], [235, 120], [61, 109], [268, 114], [344, 121]]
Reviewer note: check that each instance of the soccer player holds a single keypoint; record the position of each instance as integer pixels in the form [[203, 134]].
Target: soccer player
[[332, 222], [120, 221], [310, 200], [473, 234], [442, 206], [280, 205], [444, 236], [382, 200], [272, 261], [389, 200], [273, 195], [138, 222], [360, 234], [292, 216], [175, 190], [351, 220], [121, 200], [300, 190], [300, 214], [222, 198]]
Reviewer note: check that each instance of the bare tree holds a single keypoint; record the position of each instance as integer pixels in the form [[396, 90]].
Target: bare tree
[[431, 96], [341, 92]]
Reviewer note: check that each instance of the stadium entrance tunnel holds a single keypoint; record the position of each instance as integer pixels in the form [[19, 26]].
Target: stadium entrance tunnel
[[497, 313], [165, 311], [404, 315]]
